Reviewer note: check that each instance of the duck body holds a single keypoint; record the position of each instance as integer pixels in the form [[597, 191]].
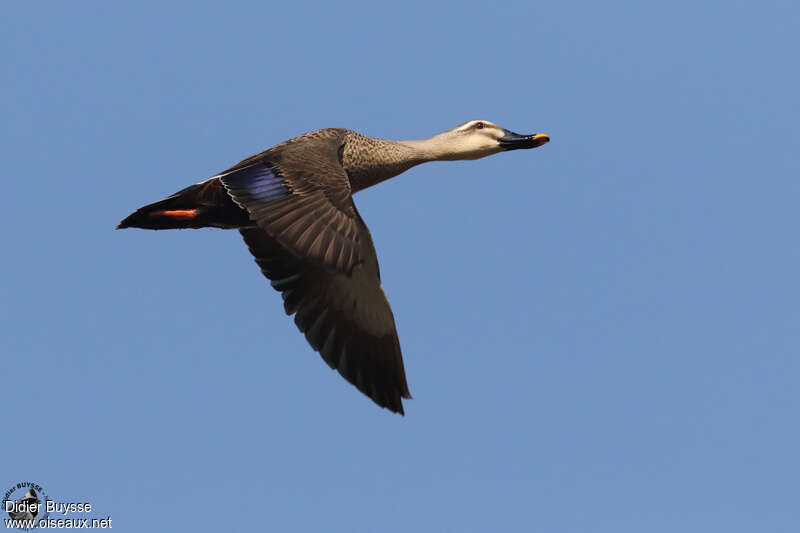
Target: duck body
[[293, 206]]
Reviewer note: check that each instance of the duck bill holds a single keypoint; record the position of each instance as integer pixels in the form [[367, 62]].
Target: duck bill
[[515, 141]]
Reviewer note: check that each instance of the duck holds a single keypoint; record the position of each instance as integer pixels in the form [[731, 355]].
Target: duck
[[293, 206]]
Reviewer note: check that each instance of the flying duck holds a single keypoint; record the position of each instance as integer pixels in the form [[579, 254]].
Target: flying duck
[[293, 205]]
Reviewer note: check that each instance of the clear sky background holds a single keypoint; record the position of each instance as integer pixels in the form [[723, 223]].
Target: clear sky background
[[600, 335]]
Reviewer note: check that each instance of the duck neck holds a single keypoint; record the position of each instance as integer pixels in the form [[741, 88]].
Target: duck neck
[[432, 149], [368, 160]]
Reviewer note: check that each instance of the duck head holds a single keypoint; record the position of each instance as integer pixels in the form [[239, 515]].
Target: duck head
[[480, 138]]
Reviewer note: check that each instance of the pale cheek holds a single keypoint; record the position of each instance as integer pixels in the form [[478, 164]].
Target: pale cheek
[[484, 149], [482, 143]]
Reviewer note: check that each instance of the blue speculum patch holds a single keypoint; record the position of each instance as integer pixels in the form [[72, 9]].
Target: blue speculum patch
[[260, 182]]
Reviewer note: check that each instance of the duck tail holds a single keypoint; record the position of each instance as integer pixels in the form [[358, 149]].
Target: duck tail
[[202, 205]]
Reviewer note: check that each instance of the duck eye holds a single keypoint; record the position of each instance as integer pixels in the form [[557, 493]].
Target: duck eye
[[479, 125]]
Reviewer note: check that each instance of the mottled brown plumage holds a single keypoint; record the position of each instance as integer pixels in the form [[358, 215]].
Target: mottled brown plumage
[[293, 206]]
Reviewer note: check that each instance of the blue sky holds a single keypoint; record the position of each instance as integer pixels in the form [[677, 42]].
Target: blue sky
[[600, 334]]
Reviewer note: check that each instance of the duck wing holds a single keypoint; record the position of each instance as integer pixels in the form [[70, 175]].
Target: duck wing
[[299, 194], [345, 317], [310, 241]]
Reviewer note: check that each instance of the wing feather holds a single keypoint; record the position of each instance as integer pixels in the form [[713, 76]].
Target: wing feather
[[345, 317], [300, 195]]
